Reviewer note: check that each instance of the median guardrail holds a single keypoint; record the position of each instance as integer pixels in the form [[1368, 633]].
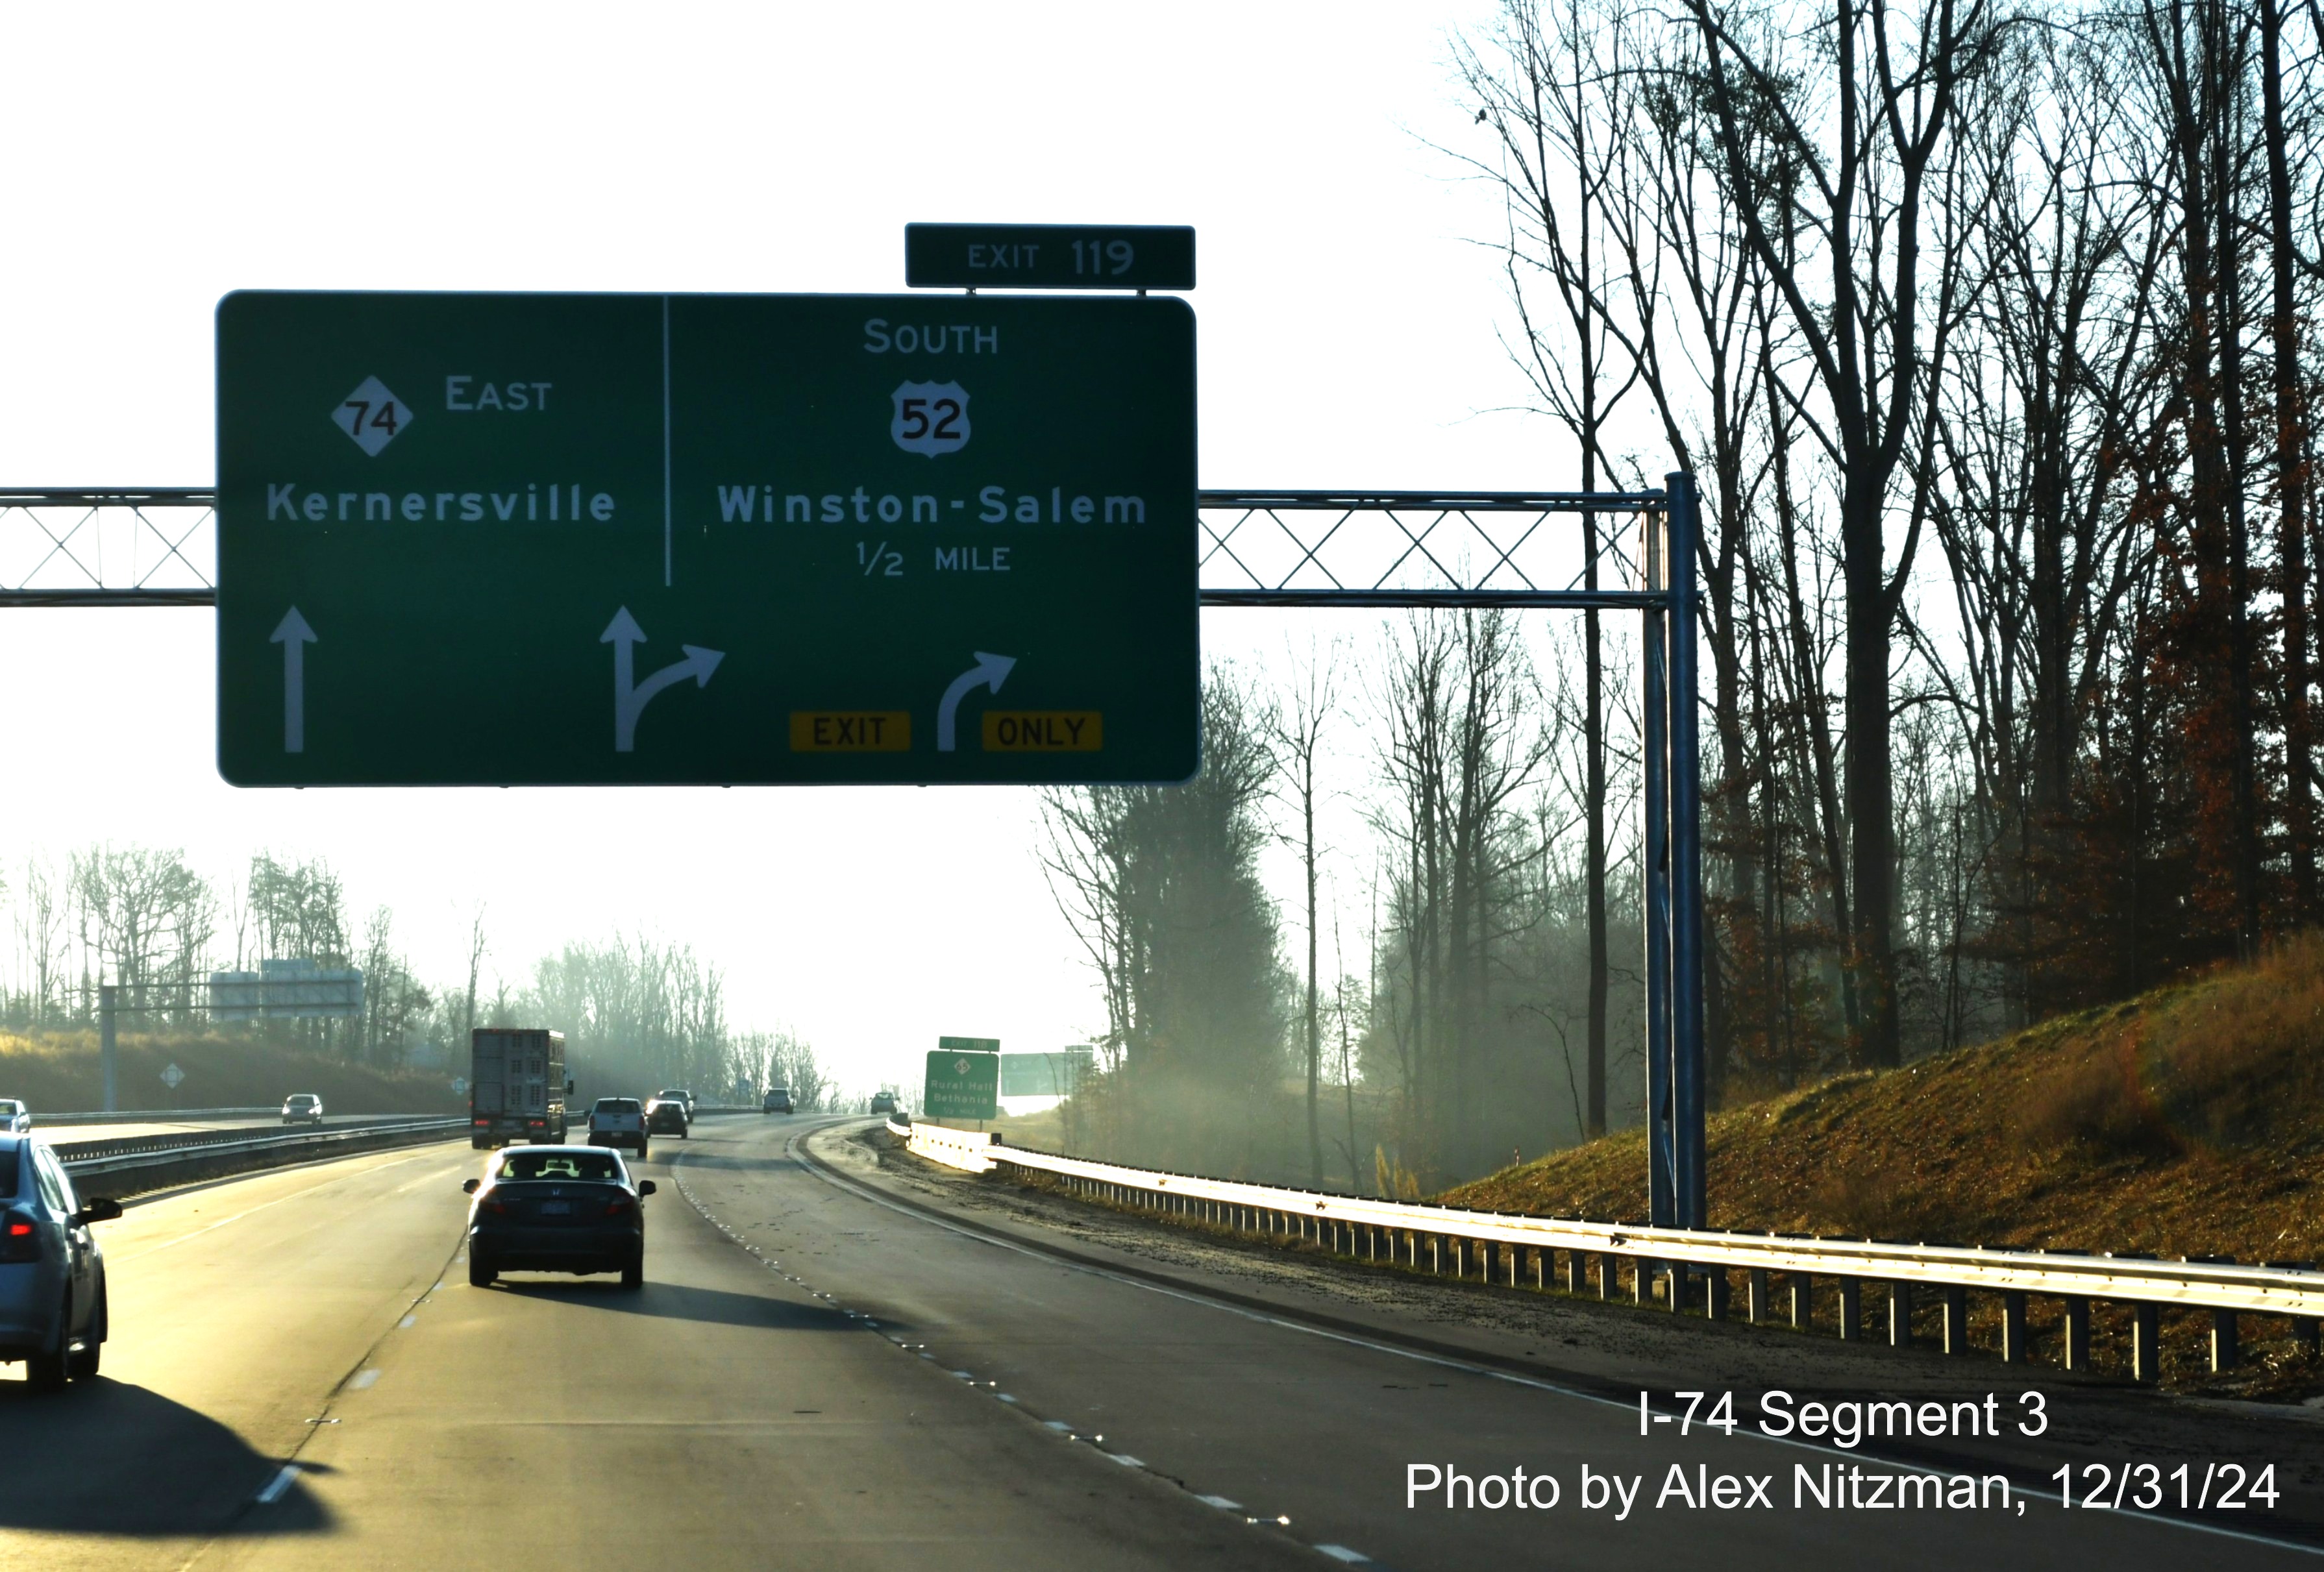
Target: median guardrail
[[1689, 1269], [151, 1115], [135, 1164]]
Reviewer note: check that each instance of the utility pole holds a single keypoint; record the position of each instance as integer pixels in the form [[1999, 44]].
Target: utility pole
[[109, 999]]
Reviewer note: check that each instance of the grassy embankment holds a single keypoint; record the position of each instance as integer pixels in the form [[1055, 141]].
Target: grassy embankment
[[60, 1070], [2189, 1121]]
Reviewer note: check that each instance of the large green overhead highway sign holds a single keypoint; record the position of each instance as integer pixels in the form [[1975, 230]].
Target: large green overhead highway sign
[[512, 539]]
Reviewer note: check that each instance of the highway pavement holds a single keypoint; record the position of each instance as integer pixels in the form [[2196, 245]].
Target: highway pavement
[[821, 1370]]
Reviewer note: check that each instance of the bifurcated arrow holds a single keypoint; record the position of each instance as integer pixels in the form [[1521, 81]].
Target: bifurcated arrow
[[989, 671], [630, 695], [293, 635]]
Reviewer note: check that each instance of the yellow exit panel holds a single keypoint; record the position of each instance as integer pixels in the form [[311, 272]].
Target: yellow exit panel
[[1044, 731], [850, 731]]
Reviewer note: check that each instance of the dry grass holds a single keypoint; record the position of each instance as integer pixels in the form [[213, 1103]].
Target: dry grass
[[2187, 1122], [59, 1072]]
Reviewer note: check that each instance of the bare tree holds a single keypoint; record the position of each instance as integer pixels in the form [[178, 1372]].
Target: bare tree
[[148, 917], [476, 951], [1841, 200], [1298, 734], [1555, 90]]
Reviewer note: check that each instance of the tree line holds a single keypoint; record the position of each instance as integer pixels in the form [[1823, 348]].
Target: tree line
[[1991, 334], [639, 1013]]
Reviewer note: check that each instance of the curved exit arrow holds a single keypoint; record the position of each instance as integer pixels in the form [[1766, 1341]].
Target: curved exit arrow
[[630, 696], [989, 671]]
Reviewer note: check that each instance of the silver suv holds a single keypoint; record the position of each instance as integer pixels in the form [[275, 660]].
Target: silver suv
[[618, 1121], [52, 1311], [302, 1108]]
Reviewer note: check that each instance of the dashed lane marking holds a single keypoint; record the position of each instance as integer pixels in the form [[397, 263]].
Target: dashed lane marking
[[278, 1485], [262, 1205], [925, 1213], [1061, 1426]]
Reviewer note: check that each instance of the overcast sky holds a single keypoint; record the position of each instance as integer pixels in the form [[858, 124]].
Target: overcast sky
[[159, 156]]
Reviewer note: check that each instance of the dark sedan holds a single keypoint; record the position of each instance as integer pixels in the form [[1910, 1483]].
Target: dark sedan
[[667, 1115], [556, 1209]]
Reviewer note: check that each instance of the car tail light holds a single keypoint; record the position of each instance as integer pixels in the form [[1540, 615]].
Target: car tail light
[[538, 1123], [620, 1204], [484, 1121], [20, 1238], [487, 1204]]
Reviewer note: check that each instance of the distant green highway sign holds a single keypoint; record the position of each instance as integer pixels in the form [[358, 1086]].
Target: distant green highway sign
[[961, 1085], [537, 540], [1049, 256], [969, 1044]]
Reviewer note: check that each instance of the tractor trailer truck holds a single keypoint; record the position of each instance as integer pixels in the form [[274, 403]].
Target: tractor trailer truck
[[516, 1087]]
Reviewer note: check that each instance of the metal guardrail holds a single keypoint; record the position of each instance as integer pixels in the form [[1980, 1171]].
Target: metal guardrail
[[1667, 1263], [89, 1159], [150, 1116]]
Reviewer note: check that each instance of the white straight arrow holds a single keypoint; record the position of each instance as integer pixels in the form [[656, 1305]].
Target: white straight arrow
[[630, 696], [293, 635], [989, 671]]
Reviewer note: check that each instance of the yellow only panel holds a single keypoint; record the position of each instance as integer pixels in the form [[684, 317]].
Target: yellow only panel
[[1044, 731]]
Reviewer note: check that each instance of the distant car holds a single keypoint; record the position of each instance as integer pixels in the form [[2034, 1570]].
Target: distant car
[[302, 1108], [618, 1121], [667, 1115], [16, 1117], [556, 1209], [52, 1304], [681, 1094], [778, 1100], [883, 1102]]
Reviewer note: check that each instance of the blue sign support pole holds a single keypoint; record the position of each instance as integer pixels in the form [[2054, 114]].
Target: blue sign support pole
[[1662, 1193], [1687, 958]]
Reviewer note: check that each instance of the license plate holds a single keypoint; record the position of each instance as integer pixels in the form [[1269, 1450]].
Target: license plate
[[556, 1208]]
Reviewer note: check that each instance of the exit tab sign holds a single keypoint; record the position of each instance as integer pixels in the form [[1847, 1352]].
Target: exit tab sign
[[1049, 256]]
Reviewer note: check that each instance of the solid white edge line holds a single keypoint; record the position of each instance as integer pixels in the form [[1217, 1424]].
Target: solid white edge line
[[1195, 1296]]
